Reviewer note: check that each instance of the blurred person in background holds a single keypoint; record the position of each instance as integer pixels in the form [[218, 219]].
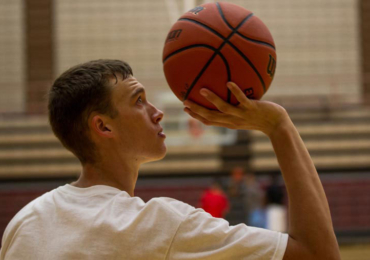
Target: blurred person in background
[[276, 217], [254, 201], [100, 112], [195, 128], [236, 192], [214, 201]]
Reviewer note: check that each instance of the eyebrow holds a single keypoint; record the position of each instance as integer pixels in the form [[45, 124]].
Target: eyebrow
[[136, 92]]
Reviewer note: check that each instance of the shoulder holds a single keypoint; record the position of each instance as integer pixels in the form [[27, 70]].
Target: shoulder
[[177, 207], [26, 215], [30, 208], [36, 204]]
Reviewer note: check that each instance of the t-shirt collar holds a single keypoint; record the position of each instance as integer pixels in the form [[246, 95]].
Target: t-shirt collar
[[92, 190]]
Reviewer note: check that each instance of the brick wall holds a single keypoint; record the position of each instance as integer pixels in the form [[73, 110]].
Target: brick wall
[[349, 202], [12, 71], [318, 44], [365, 33], [317, 41], [39, 53]]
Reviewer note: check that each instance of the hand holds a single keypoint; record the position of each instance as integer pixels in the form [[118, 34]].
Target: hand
[[247, 115]]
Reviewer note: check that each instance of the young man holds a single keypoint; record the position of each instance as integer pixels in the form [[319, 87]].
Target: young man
[[99, 111]]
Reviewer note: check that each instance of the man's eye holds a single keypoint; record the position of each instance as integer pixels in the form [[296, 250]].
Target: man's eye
[[139, 100]]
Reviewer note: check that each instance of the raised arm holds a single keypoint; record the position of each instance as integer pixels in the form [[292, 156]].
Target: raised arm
[[311, 234]]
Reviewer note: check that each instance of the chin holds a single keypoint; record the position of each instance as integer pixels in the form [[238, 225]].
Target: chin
[[162, 154], [159, 155]]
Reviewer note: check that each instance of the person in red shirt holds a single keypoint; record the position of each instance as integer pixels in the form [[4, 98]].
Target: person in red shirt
[[214, 201]]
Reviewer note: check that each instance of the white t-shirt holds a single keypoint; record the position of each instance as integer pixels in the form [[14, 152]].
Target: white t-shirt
[[102, 222]]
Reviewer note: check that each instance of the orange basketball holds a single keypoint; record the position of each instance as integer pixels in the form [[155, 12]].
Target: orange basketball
[[215, 43]]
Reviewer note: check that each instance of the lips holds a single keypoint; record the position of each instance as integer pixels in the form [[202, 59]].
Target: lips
[[160, 133]]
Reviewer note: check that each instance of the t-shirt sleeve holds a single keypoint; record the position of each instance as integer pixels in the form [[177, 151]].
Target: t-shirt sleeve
[[201, 236]]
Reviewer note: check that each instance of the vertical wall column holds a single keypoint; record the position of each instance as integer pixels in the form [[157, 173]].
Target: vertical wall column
[[365, 41], [39, 53]]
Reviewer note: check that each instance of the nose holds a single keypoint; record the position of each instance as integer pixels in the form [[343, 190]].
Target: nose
[[157, 115]]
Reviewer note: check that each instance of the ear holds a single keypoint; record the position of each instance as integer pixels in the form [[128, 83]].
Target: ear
[[100, 126]]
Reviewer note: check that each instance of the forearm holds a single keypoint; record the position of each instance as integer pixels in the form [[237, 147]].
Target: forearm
[[311, 232], [310, 222]]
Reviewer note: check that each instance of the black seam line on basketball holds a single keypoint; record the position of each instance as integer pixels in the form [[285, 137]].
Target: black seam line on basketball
[[199, 75], [232, 45], [247, 38], [234, 31], [189, 47], [235, 48], [222, 15], [226, 40], [203, 25], [216, 52], [228, 95], [256, 41], [228, 76], [240, 53], [222, 37], [214, 55], [250, 64], [226, 64]]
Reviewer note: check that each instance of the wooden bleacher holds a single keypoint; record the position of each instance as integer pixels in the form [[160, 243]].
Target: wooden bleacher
[[28, 149], [337, 139]]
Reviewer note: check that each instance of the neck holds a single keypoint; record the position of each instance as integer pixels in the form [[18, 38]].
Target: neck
[[117, 175]]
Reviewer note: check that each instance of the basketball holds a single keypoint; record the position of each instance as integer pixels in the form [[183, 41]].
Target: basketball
[[213, 44]]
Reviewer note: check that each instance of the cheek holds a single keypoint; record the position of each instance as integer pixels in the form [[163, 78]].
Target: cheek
[[133, 128], [127, 138]]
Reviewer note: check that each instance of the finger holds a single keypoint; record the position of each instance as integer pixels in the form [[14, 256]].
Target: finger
[[207, 122], [210, 115], [221, 105], [238, 93]]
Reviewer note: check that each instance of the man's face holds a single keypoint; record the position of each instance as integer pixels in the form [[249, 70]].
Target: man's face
[[138, 133]]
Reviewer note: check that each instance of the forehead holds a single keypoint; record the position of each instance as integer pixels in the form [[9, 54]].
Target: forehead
[[122, 89]]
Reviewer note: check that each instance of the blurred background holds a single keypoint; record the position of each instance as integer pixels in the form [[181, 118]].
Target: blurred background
[[322, 79]]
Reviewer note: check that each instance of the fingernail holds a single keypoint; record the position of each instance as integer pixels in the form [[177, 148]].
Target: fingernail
[[203, 92], [186, 104], [229, 84]]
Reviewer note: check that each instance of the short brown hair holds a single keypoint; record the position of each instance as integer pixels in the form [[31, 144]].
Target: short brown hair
[[77, 93]]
